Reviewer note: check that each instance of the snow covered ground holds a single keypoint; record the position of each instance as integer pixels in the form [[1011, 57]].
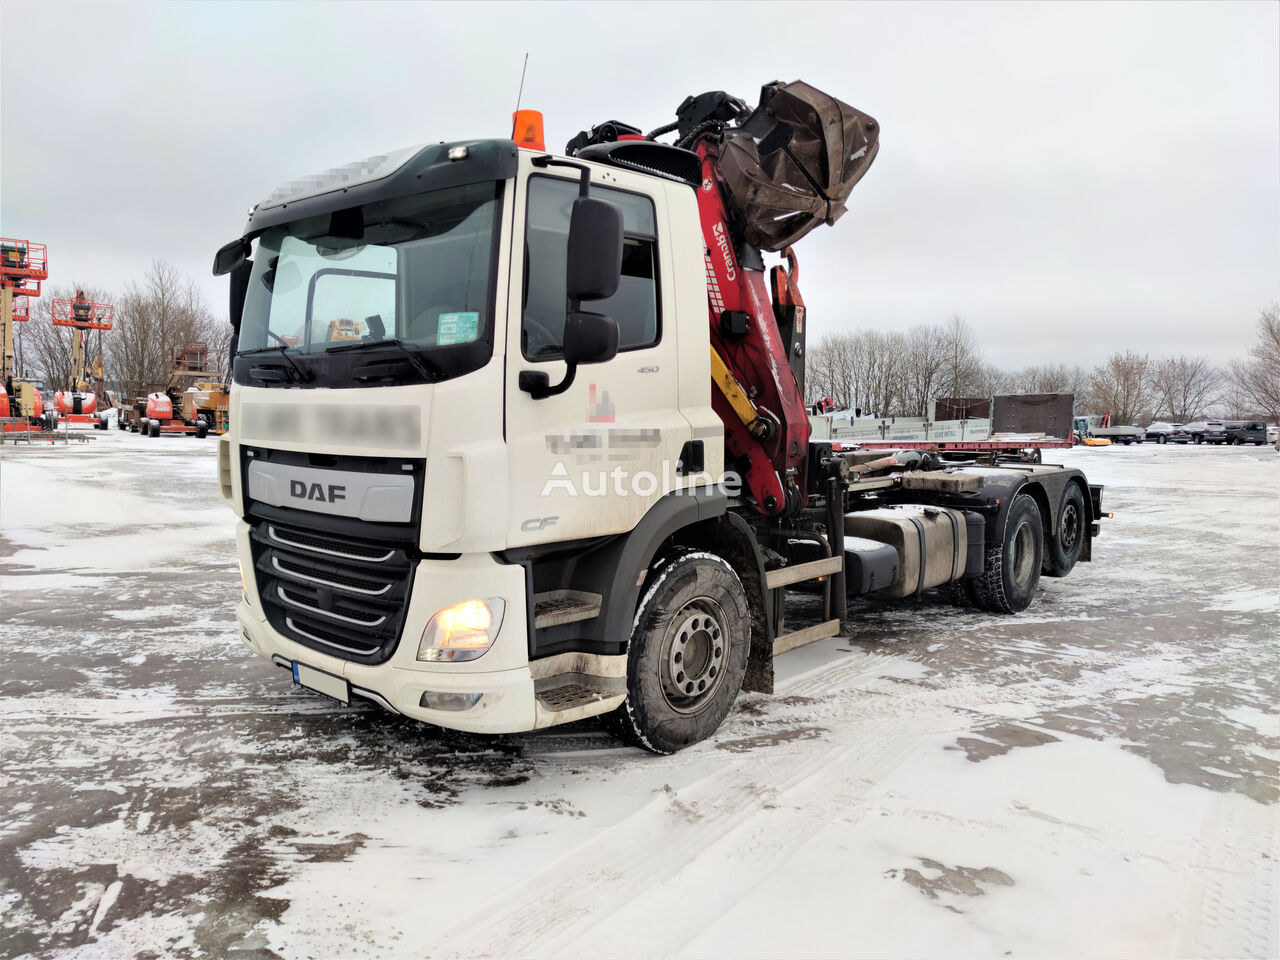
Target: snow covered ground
[[1094, 778]]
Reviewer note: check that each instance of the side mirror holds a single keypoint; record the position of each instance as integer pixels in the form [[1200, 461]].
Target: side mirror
[[231, 256], [589, 338], [595, 250]]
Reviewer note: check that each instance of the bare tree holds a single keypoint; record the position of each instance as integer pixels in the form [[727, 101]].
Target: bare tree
[[1122, 387], [879, 376], [1257, 380], [1185, 387], [922, 371], [155, 321], [964, 371]]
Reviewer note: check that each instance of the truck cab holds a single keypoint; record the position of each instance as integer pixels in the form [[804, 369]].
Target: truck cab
[[386, 487]]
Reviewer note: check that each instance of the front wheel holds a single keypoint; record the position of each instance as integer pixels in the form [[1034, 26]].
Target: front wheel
[[687, 656], [154, 429], [1012, 569]]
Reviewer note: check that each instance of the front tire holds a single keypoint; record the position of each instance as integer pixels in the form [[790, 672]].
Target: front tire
[[687, 656], [1012, 569], [154, 429]]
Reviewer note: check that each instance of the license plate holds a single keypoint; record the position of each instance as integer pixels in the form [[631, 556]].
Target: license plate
[[321, 682]]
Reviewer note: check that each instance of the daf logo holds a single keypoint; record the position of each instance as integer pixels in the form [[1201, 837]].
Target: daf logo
[[329, 493]]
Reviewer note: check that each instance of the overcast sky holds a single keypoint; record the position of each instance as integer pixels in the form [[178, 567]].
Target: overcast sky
[[1073, 179]]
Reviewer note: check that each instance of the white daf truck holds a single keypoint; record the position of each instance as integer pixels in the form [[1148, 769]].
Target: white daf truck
[[497, 510]]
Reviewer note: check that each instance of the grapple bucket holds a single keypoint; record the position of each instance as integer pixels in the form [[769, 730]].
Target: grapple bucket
[[794, 162]]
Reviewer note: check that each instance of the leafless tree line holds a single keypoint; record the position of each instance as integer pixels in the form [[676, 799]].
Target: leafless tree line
[[155, 320], [898, 374]]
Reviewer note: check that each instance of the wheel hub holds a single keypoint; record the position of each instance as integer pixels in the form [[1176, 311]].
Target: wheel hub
[[1023, 544], [1070, 527], [694, 658]]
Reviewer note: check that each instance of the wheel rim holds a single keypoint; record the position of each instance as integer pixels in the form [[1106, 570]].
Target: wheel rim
[[694, 651], [1069, 528], [1023, 550]]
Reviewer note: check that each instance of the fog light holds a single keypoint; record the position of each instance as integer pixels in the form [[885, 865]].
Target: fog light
[[437, 700], [463, 631]]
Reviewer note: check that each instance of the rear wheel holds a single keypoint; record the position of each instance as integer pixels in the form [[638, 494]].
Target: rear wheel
[[202, 429], [1012, 568], [687, 656], [1063, 548], [154, 429], [1163, 439]]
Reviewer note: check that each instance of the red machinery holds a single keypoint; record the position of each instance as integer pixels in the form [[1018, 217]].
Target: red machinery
[[162, 419], [77, 404], [23, 266], [769, 175]]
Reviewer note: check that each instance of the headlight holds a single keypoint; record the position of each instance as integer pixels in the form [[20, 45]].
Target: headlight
[[463, 631]]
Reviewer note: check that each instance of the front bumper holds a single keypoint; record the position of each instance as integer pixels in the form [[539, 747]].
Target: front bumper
[[502, 675]]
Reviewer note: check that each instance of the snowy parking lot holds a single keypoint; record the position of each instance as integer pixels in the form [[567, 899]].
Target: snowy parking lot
[[1094, 777]]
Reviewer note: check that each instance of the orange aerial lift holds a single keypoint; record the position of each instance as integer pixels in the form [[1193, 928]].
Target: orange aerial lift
[[76, 405], [23, 266], [185, 407]]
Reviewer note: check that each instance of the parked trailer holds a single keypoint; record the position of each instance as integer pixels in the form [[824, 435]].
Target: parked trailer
[[1019, 426]]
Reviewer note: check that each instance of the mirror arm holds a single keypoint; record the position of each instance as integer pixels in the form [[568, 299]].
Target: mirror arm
[[538, 385], [547, 160]]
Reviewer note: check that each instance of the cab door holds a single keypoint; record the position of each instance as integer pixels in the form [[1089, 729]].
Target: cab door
[[592, 460]]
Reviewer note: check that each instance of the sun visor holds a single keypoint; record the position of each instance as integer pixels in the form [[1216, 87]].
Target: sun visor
[[795, 162]]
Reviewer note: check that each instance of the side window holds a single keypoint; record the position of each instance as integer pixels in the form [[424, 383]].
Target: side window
[[634, 306]]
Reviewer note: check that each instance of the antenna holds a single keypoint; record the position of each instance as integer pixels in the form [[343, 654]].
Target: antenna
[[519, 95]]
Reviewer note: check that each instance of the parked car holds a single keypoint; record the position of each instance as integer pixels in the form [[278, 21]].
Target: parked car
[[1195, 430], [1236, 432], [1247, 431], [1162, 431], [1215, 432]]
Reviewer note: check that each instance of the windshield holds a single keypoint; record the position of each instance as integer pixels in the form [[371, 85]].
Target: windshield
[[416, 269]]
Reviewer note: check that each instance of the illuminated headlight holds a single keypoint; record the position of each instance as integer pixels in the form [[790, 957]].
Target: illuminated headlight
[[457, 153], [463, 631]]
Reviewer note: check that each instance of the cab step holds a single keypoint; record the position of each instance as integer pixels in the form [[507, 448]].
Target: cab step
[[557, 607]]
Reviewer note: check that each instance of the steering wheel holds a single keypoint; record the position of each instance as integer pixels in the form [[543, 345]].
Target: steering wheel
[[551, 339]]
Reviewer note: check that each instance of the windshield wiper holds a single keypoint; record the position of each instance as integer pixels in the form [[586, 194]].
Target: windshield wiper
[[412, 357], [300, 375]]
